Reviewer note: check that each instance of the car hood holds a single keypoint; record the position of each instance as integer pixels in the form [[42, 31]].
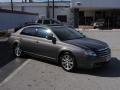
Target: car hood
[[87, 43]]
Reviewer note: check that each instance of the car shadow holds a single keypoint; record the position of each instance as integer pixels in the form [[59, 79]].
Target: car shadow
[[112, 69], [8, 62], [42, 59], [6, 54]]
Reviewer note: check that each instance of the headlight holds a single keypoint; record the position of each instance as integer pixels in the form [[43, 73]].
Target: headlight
[[90, 53]]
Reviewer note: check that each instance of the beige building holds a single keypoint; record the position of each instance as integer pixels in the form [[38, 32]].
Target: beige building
[[61, 12], [77, 12]]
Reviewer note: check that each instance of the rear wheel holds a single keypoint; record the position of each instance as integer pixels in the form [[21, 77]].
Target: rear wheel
[[67, 61], [17, 50]]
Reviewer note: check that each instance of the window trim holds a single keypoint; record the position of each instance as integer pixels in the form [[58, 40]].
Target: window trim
[[27, 34], [37, 32]]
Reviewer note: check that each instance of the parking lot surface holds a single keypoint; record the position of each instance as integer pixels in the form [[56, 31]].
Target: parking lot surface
[[8, 63], [37, 74]]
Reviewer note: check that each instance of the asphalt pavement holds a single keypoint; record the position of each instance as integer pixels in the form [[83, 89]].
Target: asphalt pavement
[[8, 63]]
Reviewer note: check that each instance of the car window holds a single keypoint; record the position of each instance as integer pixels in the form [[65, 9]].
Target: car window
[[31, 31], [43, 32], [65, 33]]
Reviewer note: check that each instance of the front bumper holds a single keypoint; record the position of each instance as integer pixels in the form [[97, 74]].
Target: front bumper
[[93, 62]]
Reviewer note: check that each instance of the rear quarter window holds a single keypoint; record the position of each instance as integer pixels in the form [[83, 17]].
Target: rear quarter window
[[31, 31]]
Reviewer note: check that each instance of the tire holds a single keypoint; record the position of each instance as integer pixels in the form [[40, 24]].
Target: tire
[[67, 62], [17, 51]]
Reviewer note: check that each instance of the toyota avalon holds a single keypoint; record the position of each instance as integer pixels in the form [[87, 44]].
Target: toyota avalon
[[64, 45]]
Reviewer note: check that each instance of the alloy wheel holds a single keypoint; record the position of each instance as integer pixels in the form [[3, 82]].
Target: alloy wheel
[[67, 62], [17, 51]]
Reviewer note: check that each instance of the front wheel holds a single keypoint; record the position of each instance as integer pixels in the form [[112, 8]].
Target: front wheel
[[68, 62]]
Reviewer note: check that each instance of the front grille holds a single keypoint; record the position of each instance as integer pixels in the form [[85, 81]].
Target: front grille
[[103, 52]]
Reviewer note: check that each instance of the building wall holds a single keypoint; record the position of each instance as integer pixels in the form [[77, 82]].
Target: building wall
[[41, 9], [33, 9], [88, 6], [96, 4], [10, 19], [63, 11], [9, 8], [36, 9]]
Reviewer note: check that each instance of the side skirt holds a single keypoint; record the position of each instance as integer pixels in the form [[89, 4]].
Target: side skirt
[[41, 56]]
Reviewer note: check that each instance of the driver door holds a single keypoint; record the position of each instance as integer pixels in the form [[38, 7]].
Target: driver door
[[45, 47]]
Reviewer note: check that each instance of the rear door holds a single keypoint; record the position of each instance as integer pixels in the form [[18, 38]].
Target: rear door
[[28, 39]]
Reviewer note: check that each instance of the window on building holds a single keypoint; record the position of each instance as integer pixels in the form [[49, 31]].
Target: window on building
[[62, 18], [39, 21], [88, 20], [46, 22], [81, 18]]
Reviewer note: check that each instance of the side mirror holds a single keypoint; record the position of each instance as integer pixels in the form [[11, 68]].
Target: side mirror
[[54, 40], [50, 37]]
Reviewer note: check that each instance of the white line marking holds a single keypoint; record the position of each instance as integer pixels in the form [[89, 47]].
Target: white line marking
[[15, 72]]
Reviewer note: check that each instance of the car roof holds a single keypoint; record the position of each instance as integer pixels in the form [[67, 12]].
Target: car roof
[[48, 26]]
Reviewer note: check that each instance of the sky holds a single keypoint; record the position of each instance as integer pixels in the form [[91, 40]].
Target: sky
[[33, 0]]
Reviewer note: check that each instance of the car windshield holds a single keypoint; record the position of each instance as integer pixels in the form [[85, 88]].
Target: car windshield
[[65, 33]]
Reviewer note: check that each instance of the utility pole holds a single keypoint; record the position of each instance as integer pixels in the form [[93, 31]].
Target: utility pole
[[48, 9], [12, 5], [53, 9], [22, 7]]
